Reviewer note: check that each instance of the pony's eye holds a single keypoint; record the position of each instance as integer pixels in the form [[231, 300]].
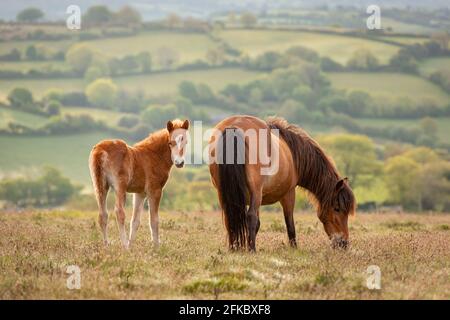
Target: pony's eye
[[336, 210]]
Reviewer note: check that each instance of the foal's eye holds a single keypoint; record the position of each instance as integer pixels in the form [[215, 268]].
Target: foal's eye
[[336, 210]]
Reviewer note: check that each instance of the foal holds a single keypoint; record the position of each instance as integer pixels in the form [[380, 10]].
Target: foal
[[142, 169]]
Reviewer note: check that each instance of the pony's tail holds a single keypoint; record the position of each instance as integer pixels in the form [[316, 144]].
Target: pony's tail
[[233, 187]]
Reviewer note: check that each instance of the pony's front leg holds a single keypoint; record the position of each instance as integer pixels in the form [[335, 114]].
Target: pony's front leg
[[154, 199], [253, 222]]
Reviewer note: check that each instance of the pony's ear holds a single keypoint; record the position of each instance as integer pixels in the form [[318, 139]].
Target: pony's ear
[[340, 184], [169, 126], [185, 124]]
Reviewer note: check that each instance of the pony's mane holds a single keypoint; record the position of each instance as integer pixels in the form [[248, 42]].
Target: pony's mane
[[316, 171], [158, 139]]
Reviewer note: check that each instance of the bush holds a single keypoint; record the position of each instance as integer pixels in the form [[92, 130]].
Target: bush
[[53, 108], [102, 93], [50, 189], [128, 121], [20, 97]]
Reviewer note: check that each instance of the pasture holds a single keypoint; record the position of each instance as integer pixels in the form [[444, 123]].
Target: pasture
[[429, 66], [151, 84], [194, 262], [8, 115], [390, 85], [443, 125], [339, 48], [188, 46], [27, 154]]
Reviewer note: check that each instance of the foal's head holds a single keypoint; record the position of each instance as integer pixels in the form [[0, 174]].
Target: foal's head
[[178, 133], [334, 215]]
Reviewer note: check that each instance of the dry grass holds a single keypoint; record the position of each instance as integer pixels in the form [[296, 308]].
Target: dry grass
[[193, 262]]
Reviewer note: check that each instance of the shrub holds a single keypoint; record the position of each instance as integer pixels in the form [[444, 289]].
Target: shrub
[[102, 93]]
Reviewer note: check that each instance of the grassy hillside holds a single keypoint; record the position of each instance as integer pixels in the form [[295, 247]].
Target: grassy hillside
[[339, 48], [390, 85], [8, 115], [194, 262], [442, 123], [25, 66], [68, 153], [151, 84], [189, 46], [429, 66]]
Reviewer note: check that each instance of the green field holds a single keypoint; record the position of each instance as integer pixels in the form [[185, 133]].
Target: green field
[[406, 40], [110, 117], [403, 27], [67, 153], [442, 123], [390, 85], [429, 66], [25, 66], [8, 115], [188, 46], [339, 48], [151, 84]]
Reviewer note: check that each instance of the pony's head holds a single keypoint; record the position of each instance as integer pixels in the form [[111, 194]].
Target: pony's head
[[334, 215], [178, 138]]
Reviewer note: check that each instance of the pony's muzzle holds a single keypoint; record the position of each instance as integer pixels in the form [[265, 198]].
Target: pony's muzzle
[[339, 243]]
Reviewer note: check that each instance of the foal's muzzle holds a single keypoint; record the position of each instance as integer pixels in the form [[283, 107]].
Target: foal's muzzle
[[179, 164]]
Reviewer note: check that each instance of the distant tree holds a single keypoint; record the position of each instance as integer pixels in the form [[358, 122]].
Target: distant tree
[[102, 93], [31, 52], [98, 15], [128, 16], [167, 57], [144, 60], [93, 73], [429, 127], [248, 20], [328, 64], [157, 116], [173, 21], [128, 121], [12, 55], [79, 56], [53, 108], [215, 56], [20, 97], [30, 15], [188, 90], [354, 155], [303, 53], [402, 180], [363, 59]]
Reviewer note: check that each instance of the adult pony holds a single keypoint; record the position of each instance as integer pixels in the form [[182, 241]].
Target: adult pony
[[142, 169], [301, 162]]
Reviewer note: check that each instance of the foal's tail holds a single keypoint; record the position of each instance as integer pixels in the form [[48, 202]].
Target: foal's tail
[[98, 177], [233, 186]]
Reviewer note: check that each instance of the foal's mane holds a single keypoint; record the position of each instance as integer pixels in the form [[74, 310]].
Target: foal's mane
[[316, 171]]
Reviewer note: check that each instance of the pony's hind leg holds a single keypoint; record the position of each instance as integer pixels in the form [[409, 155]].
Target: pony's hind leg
[[288, 203], [253, 222], [138, 206], [120, 214]]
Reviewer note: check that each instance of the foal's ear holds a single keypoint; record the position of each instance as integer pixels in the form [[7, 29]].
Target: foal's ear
[[169, 126], [185, 124], [340, 183]]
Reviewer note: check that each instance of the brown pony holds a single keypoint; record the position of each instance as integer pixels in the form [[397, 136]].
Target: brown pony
[[301, 162], [142, 169]]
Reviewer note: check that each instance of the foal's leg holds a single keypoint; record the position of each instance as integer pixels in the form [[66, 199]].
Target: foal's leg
[[120, 214], [288, 202], [154, 199], [102, 193], [138, 205]]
